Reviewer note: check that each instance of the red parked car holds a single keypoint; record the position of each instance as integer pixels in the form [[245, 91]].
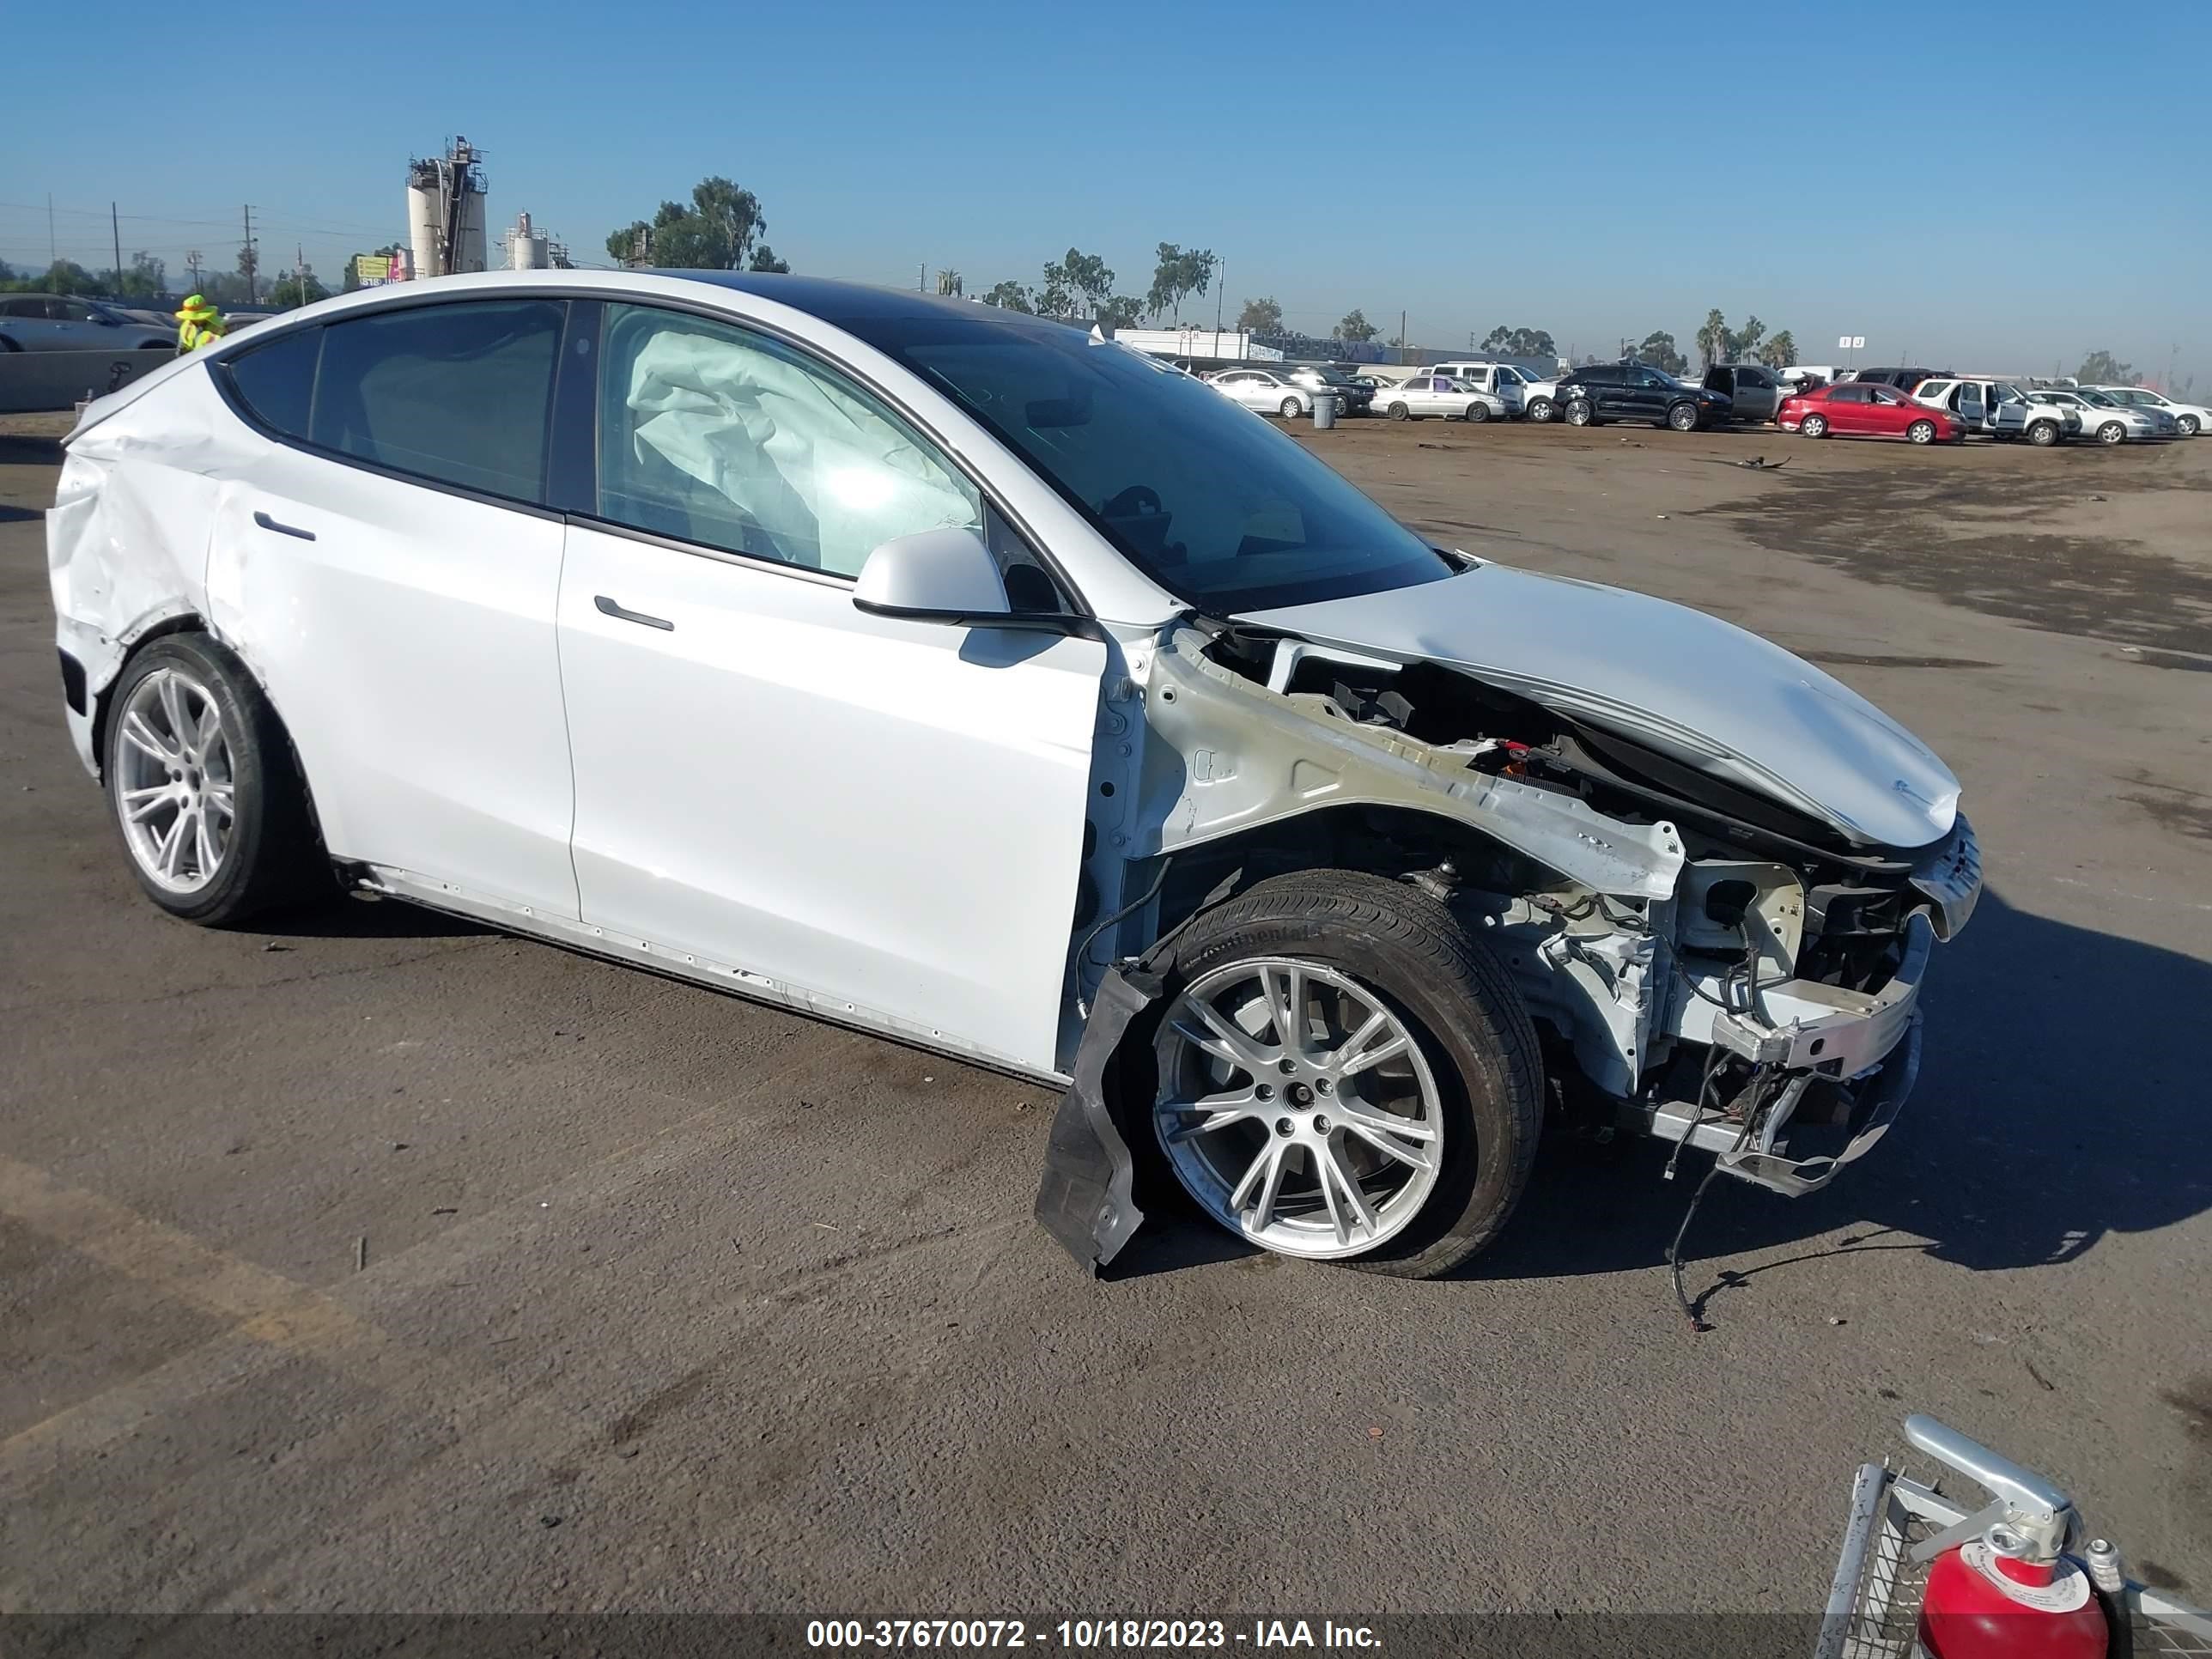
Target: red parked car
[[1856, 409]]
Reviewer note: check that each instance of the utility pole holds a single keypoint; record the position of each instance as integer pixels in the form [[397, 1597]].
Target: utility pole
[[252, 264], [921, 282], [192, 265], [115, 228], [1221, 278], [53, 256], [1402, 342]]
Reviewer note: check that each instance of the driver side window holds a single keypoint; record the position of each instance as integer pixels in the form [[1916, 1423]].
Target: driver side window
[[712, 435]]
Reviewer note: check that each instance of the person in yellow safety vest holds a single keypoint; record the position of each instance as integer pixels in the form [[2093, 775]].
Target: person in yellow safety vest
[[198, 324]]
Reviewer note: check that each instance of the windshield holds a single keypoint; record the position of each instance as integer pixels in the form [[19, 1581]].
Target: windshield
[[2098, 399], [1204, 498]]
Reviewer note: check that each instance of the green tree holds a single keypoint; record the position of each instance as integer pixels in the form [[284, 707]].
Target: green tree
[[1119, 310], [1078, 283], [62, 276], [145, 277], [1180, 273], [2101, 368], [1009, 296], [1261, 316], [716, 232], [1779, 351], [764, 259], [949, 284], [1660, 351], [1355, 329], [1743, 342], [295, 288], [249, 267], [1519, 343], [1712, 339]]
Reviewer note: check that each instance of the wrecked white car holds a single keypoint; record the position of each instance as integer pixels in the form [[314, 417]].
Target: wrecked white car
[[955, 675]]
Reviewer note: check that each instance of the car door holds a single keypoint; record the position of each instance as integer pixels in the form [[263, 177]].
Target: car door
[[389, 567], [1640, 395], [1889, 411], [1969, 401], [1846, 408], [30, 323], [77, 326], [874, 817]]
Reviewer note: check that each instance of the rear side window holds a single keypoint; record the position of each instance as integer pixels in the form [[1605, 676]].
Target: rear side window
[[277, 381], [460, 394]]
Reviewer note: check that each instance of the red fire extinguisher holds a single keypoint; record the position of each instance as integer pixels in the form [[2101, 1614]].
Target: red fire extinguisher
[[2010, 1591]]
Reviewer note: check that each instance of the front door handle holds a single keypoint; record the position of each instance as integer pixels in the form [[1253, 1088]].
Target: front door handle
[[609, 608], [268, 523]]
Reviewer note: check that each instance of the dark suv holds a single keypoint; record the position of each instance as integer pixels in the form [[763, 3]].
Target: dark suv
[[1637, 392]]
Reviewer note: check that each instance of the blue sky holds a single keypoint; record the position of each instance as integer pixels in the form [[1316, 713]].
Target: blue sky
[[1987, 186]]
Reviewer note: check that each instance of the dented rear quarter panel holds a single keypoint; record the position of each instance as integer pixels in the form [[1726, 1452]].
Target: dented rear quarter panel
[[128, 536]]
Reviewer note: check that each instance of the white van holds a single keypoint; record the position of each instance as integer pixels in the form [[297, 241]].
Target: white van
[[1503, 381]]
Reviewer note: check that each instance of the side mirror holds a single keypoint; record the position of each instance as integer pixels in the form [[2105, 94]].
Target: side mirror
[[933, 575]]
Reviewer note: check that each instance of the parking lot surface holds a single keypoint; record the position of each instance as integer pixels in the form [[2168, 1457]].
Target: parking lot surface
[[375, 1262]]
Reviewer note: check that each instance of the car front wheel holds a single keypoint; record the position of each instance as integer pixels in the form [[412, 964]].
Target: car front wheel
[[2043, 433], [2110, 433], [1339, 1073], [1921, 432], [2189, 425], [1477, 411], [1541, 410], [204, 791], [1291, 407], [1683, 417]]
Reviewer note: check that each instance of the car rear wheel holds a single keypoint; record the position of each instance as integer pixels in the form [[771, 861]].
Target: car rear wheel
[[1478, 411], [1683, 417], [206, 795], [2110, 433], [1399, 412], [1541, 410], [1291, 407], [1579, 413], [2043, 433], [1813, 426], [1921, 432], [1339, 1073]]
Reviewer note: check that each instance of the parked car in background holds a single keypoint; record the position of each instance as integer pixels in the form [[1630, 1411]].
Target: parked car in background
[[1806, 376], [1439, 394], [1753, 390], [439, 596], [1352, 398], [1854, 410], [57, 322], [1904, 379], [1637, 392], [2107, 422], [1997, 409], [1506, 381], [1266, 390], [2189, 419], [1540, 399]]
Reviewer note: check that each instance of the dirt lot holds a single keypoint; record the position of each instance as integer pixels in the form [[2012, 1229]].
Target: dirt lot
[[671, 1302]]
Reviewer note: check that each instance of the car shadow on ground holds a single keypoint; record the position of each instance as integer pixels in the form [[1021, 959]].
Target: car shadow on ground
[[346, 916], [2058, 1102]]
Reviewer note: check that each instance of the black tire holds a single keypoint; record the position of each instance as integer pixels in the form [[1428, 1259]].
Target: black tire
[[1477, 411], [1457, 998], [1813, 426], [7, 344], [1920, 432], [275, 855], [1399, 412], [1292, 409], [1683, 417], [1579, 412], [2189, 425], [2112, 433], [1541, 410]]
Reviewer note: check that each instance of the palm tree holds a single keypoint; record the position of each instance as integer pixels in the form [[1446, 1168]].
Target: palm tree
[[1780, 351], [948, 284], [1744, 342], [1713, 337]]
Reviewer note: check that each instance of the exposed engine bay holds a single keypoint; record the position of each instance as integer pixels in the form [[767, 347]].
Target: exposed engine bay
[[1705, 964]]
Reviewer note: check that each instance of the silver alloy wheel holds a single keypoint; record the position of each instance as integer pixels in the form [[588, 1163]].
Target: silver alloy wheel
[[1291, 407], [2043, 433], [1921, 432], [1683, 417], [173, 788], [1297, 1108], [1541, 411], [2112, 433], [1813, 426], [2188, 423], [1578, 413]]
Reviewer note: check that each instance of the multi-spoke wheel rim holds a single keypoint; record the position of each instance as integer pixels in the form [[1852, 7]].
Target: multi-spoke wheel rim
[[1297, 1106], [173, 787]]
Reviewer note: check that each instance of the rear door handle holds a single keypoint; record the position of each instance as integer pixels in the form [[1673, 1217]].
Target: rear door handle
[[609, 608], [268, 523]]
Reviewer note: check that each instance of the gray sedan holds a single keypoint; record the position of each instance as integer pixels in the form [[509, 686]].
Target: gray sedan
[[55, 322]]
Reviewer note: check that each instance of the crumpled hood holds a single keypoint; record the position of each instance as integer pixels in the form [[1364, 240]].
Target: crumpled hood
[[1701, 690]]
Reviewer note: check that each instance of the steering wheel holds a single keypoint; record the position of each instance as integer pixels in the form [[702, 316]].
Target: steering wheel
[[1137, 502]]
